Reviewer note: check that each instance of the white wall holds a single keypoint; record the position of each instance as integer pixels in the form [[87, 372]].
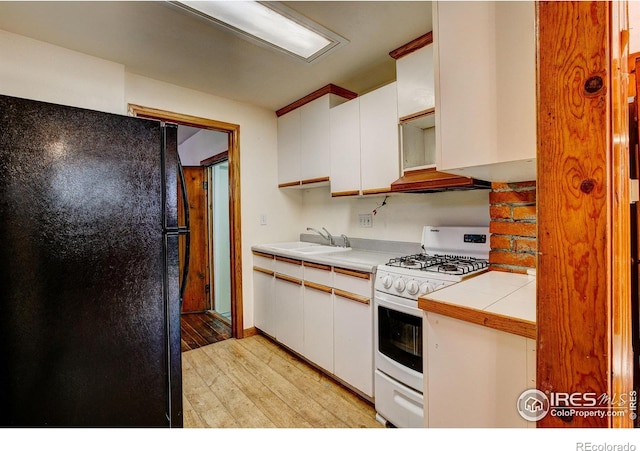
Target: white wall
[[39, 71], [204, 144], [401, 219]]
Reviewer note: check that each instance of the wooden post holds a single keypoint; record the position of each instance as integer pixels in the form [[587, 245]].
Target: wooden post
[[584, 334]]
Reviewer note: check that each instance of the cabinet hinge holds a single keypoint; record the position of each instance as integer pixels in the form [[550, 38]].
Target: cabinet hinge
[[205, 185]]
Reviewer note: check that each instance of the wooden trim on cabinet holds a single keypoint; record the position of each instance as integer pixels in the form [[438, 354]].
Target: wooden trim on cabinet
[[264, 271], [372, 191], [328, 89], [288, 260], [496, 321], [354, 192], [289, 184], [351, 296], [412, 46], [316, 180], [288, 279], [317, 286], [414, 116], [261, 254], [353, 273], [317, 266]]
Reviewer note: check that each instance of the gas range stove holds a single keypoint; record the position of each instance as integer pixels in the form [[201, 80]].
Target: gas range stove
[[451, 254]]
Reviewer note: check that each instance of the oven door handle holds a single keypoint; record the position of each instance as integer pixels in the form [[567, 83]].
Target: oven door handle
[[392, 302]]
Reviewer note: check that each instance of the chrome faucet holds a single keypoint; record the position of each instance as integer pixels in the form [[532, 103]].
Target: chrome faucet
[[327, 237], [347, 243]]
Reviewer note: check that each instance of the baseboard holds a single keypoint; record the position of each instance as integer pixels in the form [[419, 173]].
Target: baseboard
[[250, 332]]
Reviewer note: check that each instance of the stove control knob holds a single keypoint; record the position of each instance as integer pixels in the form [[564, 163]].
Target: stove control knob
[[387, 281], [413, 287], [399, 285], [426, 288]]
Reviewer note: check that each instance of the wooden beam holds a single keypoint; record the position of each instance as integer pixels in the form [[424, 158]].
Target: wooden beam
[[583, 207]]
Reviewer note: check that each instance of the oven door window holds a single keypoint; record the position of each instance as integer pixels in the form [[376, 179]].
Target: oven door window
[[400, 337]]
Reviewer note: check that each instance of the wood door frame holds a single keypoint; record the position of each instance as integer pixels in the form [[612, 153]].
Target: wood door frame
[[233, 131], [584, 239]]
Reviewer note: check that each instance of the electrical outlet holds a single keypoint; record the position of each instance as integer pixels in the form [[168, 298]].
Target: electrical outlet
[[366, 220], [263, 219]]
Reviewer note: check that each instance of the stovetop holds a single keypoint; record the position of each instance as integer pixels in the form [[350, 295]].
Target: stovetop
[[450, 255], [446, 264]]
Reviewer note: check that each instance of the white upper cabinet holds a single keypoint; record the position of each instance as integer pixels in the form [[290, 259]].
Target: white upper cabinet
[[485, 89], [379, 153], [289, 149], [345, 149], [303, 143], [414, 74], [364, 143]]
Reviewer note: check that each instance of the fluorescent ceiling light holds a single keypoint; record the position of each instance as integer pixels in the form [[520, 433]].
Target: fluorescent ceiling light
[[271, 24]]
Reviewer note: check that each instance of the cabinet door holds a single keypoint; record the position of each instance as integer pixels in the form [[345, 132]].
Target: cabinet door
[[414, 73], [318, 325], [264, 301], [353, 343], [314, 139], [485, 118], [289, 312], [344, 133], [471, 365], [289, 148], [379, 151]]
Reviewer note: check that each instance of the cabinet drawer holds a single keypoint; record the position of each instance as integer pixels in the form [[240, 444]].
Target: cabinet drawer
[[317, 273], [351, 281], [264, 261], [288, 267]]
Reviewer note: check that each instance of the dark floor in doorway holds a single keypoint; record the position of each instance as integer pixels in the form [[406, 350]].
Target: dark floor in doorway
[[201, 329]]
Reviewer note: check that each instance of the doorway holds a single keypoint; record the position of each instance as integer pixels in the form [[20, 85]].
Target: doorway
[[234, 249]]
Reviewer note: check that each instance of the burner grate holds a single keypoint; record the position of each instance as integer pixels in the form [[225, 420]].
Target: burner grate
[[448, 264]]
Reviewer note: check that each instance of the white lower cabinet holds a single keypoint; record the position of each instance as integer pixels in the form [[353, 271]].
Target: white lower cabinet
[[324, 314], [318, 325], [474, 374], [289, 312], [264, 313], [264, 301], [353, 341]]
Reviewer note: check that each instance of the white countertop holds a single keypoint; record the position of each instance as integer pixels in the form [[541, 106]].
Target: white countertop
[[502, 296], [356, 259]]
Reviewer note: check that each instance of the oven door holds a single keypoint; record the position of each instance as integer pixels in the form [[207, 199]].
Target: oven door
[[398, 339]]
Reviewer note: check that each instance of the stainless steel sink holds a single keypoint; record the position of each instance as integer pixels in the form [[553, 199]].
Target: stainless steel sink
[[291, 245], [319, 249]]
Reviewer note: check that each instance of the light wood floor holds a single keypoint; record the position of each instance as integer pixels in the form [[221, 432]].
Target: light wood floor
[[253, 383]]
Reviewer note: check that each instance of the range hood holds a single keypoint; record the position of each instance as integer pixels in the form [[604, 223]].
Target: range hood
[[431, 181]]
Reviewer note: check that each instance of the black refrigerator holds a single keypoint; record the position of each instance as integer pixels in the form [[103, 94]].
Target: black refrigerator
[[89, 283]]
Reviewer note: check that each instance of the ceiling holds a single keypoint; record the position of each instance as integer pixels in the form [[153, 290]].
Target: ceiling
[[156, 40]]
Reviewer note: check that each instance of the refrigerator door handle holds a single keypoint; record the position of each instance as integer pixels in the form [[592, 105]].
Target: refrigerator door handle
[[186, 231]]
